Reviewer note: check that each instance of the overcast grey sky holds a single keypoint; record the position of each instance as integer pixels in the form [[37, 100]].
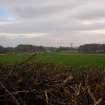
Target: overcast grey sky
[[52, 22]]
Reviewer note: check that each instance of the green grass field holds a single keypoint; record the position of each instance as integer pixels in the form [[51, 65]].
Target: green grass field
[[72, 59]]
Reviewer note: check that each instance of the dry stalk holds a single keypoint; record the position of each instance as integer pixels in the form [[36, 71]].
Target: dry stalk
[[70, 77], [46, 96]]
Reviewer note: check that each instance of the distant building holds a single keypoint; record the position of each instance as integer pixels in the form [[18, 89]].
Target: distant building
[[92, 48]]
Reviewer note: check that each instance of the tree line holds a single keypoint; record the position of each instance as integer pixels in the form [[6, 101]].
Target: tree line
[[86, 48], [26, 48]]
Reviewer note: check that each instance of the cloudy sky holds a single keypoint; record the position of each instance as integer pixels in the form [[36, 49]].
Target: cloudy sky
[[52, 22]]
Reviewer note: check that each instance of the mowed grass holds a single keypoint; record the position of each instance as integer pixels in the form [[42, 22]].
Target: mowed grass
[[71, 59]]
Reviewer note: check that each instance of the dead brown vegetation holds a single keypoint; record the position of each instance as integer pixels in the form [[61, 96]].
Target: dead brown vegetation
[[50, 84]]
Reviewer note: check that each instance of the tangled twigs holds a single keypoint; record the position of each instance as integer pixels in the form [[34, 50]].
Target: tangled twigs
[[26, 86], [96, 102], [20, 92], [12, 96]]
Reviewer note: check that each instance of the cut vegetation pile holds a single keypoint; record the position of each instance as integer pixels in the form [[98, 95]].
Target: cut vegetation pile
[[50, 84]]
